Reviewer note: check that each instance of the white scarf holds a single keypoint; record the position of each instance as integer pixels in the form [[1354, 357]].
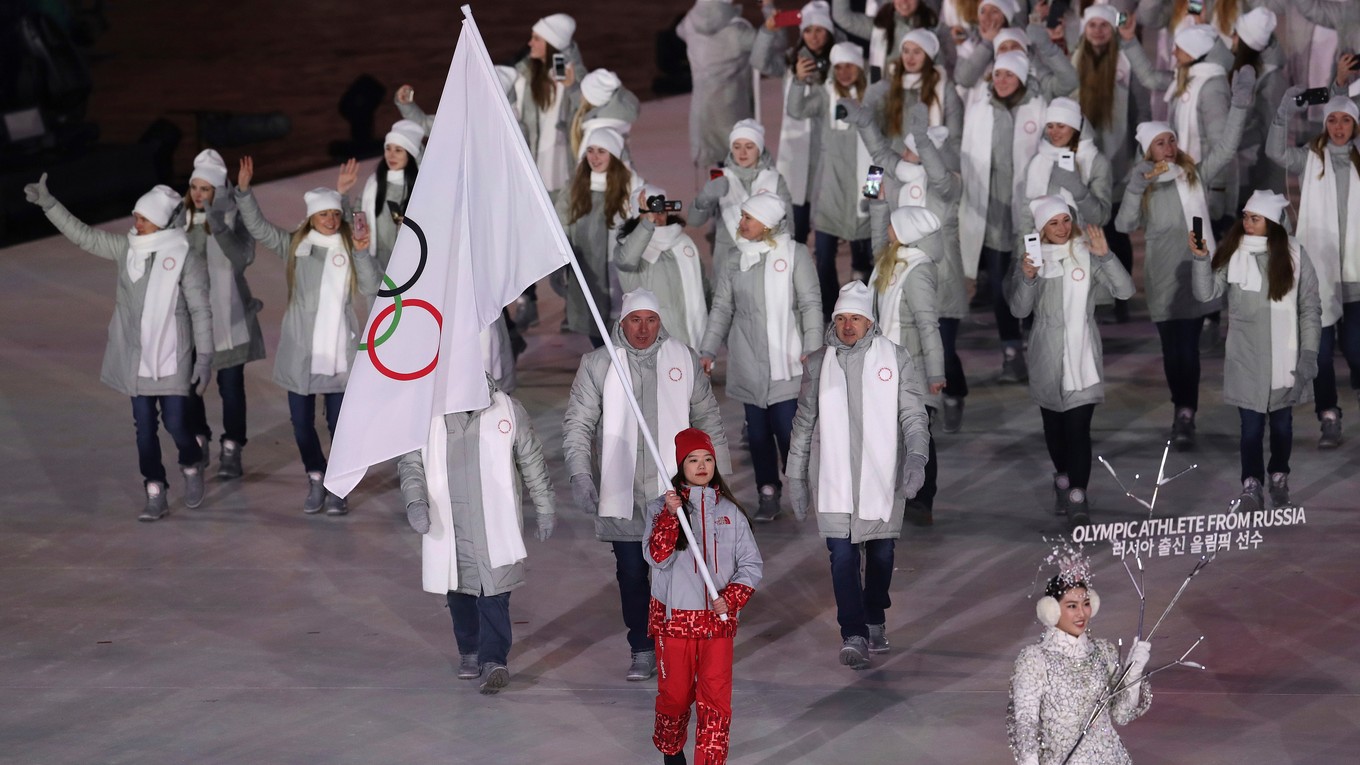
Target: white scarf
[[228, 314], [331, 338], [598, 181], [782, 338], [619, 429], [1186, 117], [1245, 272], [878, 426], [499, 496], [912, 81], [795, 150], [159, 330], [978, 124], [862, 157], [1071, 263], [1194, 203], [736, 196], [889, 301], [915, 184], [1335, 256], [1041, 168], [673, 239]]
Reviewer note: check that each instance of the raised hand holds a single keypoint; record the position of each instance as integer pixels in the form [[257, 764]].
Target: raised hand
[[38, 194], [1198, 250], [1130, 29], [349, 175], [1244, 87], [245, 172], [406, 94], [1095, 235]]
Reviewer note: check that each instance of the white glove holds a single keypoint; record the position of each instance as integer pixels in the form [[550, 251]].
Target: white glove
[[1138, 657]]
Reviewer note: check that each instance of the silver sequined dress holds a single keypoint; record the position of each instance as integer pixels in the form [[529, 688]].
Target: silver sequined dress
[[1057, 684]]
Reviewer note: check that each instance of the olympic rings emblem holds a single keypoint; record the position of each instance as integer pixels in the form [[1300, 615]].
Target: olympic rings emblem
[[420, 268], [885, 374], [394, 291]]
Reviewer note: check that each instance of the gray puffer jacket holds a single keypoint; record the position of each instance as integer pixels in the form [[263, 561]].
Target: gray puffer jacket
[[729, 549], [123, 352], [912, 424], [719, 44], [582, 425], [239, 247]]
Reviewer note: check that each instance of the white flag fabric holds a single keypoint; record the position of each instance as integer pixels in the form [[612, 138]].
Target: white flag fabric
[[479, 229]]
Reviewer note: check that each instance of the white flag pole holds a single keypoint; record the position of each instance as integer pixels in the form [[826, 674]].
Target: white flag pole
[[620, 372]]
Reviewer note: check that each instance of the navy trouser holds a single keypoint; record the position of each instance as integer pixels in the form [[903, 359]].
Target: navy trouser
[[998, 265], [302, 411], [926, 495], [1281, 423], [1068, 436], [172, 413], [955, 383], [861, 600], [481, 625], [768, 430], [231, 385], [635, 592], [1324, 385], [1180, 359], [824, 250], [802, 222]]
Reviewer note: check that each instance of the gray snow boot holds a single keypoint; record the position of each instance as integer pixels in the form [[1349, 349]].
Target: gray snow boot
[[497, 677], [1183, 430], [855, 652], [643, 666], [1279, 489], [1013, 367], [229, 462], [1078, 510], [193, 486], [1331, 430], [953, 414], [316, 494], [336, 505], [768, 507], [156, 504], [468, 668], [1060, 488], [1250, 499], [878, 638]]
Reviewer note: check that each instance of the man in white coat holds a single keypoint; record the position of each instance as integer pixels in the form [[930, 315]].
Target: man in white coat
[[865, 470], [674, 394]]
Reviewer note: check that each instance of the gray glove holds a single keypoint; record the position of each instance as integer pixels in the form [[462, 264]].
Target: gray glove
[[202, 373], [1068, 179], [913, 474], [855, 113], [1038, 35], [584, 492], [1244, 88], [1289, 104], [714, 190], [418, 515], [37, 194], [1305, 370], [800, 497], [918, 122], [1138, 180], [546, 523]]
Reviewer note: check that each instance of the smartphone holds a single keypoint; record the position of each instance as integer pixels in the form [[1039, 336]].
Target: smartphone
[[1197, 225], [360, 224], [1195, 7], [1034, 250], [873, 182], [559, 66], [788, 19], [1313, 97], [715, 173], [1121, 19], [841, 112], [1056, 10], [1067, 161]]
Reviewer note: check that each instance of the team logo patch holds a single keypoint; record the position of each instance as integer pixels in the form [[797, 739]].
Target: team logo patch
[[168, 264], [338, 259], [781, 265], [675, 374], [1031, 127], [503, 426], [1078, 275], [885, 374], [723, 521], [689, 251], [916, 192]]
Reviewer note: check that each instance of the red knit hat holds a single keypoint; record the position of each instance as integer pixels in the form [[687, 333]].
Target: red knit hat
[[691, 440]]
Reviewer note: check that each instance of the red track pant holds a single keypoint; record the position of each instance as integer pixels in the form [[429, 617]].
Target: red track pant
[[690, 669]]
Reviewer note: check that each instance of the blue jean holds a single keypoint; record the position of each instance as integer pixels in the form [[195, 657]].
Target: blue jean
[[172, 413], [861, 601], [231, 385], [802, 222], [926, 496], [998, 265], [635, 592], [1068, 437], [1324, 385], [481, 625], [955, 383], [1350, 340], [1253, 440], [302, 411], [768, 430], [1180, 359], [861, 259], [1120, 245]]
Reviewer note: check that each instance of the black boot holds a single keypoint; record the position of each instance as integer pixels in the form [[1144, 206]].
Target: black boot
[[675, 759]]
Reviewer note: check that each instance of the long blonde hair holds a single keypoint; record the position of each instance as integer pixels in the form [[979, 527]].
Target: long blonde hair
[[301, 233], [885, 262], [578, 131]]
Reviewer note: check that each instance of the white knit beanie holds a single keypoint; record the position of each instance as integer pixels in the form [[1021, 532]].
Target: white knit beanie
[[605, 138], [599, 86], [912, 224], [765, 207], [1014, 62], [1147, 132], [1106, 13], [1064, 111], [640, 300], [1009, 8], [409, 136], [816, 14], [321, 199], [1196, 39], [1010, 35], [1343, 104], [1045, 208], [557, 29], [159, 205], [847, 53], [208, 166], [1255, 28], [855, 298], [1267, 204], [925, 39], [749, 130]]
